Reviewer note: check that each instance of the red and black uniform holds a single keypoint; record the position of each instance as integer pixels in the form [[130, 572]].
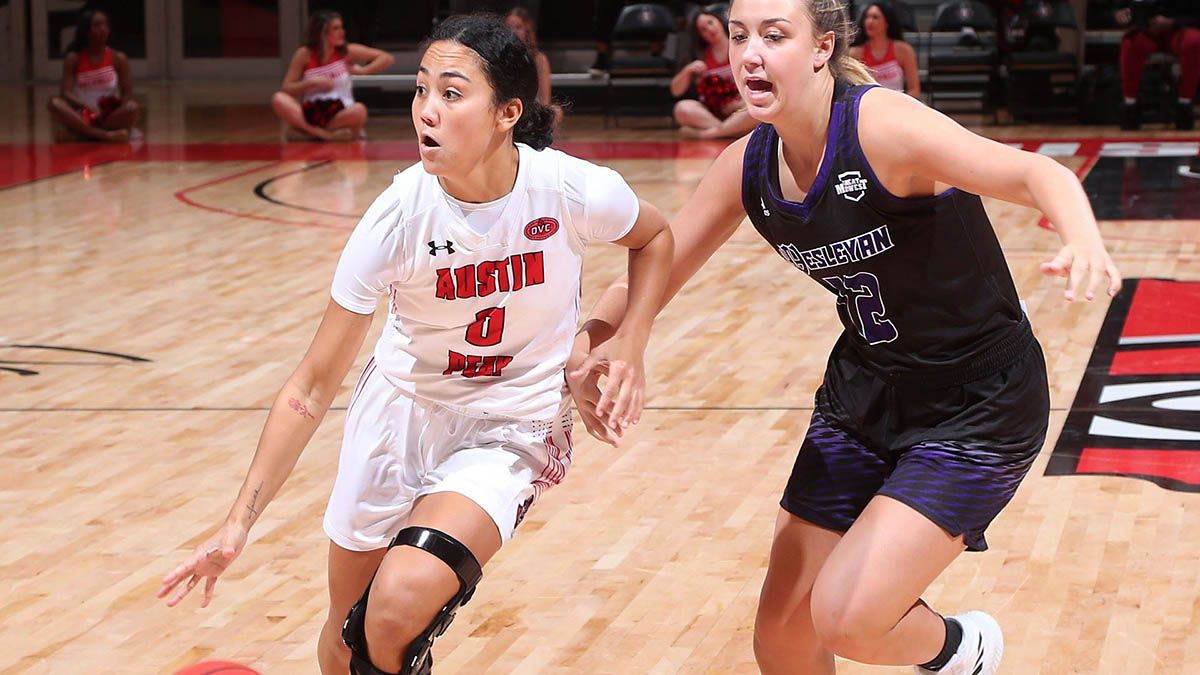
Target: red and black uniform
[[321, 106], [1183, 40], [716, 87], [97, 84]]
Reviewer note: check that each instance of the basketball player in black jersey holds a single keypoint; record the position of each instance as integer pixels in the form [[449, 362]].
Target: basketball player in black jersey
[[935, 399]]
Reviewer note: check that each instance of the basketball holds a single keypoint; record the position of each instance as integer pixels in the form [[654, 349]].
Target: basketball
[[217, 668]]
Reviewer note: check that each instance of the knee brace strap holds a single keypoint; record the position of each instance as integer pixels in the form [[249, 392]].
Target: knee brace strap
[[445, 548], [417, 660]]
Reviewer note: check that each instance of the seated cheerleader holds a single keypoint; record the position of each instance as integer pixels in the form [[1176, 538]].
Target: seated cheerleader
[[95, 100], [317, 96]]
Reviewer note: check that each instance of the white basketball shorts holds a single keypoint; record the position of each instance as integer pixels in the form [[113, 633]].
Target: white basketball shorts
[[397, 448]]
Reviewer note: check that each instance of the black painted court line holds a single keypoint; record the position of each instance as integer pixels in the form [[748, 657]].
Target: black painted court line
[[260, 191], [116, 355], [61, 363]]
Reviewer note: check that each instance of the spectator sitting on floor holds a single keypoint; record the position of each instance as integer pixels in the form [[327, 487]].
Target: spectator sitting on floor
[[95, 100], [317, 96], [720, 111]]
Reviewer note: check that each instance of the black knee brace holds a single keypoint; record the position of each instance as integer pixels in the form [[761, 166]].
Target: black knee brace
[[417, 659]]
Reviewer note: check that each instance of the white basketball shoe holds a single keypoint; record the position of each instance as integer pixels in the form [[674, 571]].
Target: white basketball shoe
[[980, 650]]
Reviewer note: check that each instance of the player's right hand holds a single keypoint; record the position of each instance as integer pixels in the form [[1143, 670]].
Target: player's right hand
[[1084, 265], [207, 562]]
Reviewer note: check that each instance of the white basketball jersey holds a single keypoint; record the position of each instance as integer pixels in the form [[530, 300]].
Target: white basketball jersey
[[483, 323], [339, 72]]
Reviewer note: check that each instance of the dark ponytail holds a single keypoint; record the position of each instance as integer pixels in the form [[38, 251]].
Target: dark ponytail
[[536, 126], [509, 66]]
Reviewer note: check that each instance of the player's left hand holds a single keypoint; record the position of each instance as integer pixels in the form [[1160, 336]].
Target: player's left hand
[[207, 562], [620, 404], [1080, 264]]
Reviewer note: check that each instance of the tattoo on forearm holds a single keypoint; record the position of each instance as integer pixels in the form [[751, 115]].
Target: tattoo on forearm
[[295, 404], [254, 502]]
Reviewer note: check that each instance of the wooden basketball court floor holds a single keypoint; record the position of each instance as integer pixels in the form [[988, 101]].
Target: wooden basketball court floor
[[206, 253]]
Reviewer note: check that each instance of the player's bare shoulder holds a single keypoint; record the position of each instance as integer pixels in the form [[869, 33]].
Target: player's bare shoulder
[[879, 101], [721, 186], [731, 157], [887, 120]]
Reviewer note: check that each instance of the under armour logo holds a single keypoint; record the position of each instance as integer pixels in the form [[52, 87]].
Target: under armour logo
[[434, 248]]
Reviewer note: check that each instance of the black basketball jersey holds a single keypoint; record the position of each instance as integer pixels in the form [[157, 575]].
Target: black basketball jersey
[[919, 282]]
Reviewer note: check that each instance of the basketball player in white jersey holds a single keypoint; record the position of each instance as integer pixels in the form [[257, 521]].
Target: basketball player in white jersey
[[460, 420]]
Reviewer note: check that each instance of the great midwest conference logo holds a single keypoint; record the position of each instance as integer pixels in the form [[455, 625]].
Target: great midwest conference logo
[[851, 185], [1137, 412]]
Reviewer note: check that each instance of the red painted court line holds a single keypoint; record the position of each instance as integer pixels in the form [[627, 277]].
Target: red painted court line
[[182, 196], [21, 163], [1180, 465], [231, 176], [25, 163], [1174, 361], [407, 149], [1163, 307]]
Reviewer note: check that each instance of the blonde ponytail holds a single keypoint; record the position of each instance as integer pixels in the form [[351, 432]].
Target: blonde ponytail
[[831, 16]]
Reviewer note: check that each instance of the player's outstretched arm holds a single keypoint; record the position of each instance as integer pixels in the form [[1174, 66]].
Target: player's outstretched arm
[[906, 140], [294, 416], [706, 220], [650, 247]]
